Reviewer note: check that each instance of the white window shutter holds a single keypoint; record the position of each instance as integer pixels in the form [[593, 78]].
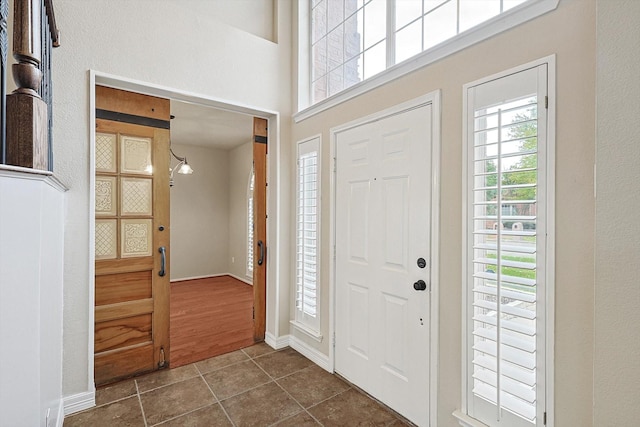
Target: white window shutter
[[307, 234], [505, 253], [250, 222]]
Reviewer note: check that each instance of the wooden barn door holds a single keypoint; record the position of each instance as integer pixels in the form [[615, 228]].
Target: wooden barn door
[[131, 234]]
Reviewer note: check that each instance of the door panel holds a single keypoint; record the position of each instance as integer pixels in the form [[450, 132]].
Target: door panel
[[260, 147], [132, 206], [382, 228]]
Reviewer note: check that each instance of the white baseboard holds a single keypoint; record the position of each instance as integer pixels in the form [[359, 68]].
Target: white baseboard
[[60, 417], [206, 276], [79, 402], [209, 276], [309, 352], [276, 343], [245, 280]]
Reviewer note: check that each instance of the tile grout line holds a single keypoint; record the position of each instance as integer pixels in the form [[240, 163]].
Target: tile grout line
[[218, 401], [144, 416], [299, 404], [288, 394]]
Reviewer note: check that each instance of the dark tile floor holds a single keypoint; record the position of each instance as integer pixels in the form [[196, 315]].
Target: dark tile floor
[[255, 386]]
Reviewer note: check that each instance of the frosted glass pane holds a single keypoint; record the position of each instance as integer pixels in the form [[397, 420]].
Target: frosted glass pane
[[105, 152], [136, 238], [106, 195], [136, 196], [136, 155], [106, 238]]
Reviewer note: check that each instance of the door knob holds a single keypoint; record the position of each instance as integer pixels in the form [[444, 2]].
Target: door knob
[[420, 285]]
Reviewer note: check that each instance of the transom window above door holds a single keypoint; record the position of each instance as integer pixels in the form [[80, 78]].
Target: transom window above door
[[352, 41]]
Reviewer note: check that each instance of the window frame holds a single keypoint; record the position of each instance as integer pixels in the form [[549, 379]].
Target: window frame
[[548, 299], [301, 321], [498, 24]]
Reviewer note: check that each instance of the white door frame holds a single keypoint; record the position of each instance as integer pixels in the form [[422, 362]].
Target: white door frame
[[433, 99], [277, 267]]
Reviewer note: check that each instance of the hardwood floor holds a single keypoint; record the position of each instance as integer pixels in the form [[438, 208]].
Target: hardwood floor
[[209, 317]]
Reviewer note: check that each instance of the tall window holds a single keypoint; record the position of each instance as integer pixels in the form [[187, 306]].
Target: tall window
[[353, 40], [250, 221], [307, 236], [507, 238]]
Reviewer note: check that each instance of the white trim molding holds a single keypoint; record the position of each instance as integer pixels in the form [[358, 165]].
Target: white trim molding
[[310, 353], [79, 402], [306, 330], [211, 276], [277, 343]]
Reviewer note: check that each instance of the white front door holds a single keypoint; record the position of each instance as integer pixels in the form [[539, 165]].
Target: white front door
[[383, 207]]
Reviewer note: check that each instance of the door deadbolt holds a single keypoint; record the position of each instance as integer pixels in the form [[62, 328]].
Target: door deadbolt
[[422, 263], [420, 285]]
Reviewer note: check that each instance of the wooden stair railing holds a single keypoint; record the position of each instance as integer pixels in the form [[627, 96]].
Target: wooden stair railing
[[28, 108]]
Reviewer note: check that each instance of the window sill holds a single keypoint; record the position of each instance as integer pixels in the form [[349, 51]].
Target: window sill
[[467, 421], [18, 172], [510, 19], [307, 330]]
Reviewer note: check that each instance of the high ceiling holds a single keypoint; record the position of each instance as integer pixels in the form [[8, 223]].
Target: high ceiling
[[209, 127]]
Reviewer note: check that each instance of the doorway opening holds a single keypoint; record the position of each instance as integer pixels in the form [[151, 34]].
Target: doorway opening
[[215, 242], [265, 117]]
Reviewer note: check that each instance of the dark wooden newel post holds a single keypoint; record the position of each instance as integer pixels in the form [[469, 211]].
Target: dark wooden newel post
[[27, 133]]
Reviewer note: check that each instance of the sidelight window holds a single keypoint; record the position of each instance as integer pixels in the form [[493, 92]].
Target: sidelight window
[[509, 237], [307, 234]]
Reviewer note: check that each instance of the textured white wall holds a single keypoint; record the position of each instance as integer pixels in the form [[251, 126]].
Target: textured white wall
[[200, 214], [568, 32], [181, 45], [617, 270], [240, 164]]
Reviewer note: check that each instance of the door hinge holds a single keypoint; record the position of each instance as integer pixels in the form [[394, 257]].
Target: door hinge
[[333, 340], [546, 102], [335, 165], [544, 419]]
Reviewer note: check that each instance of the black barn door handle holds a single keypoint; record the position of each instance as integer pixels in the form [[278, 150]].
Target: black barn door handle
[[261, 247], [163, 260]]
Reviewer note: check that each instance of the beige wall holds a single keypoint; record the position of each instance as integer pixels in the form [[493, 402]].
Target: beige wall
[[240, 165], [617, 270], [200, 214], [166, 43], [568, 32]]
